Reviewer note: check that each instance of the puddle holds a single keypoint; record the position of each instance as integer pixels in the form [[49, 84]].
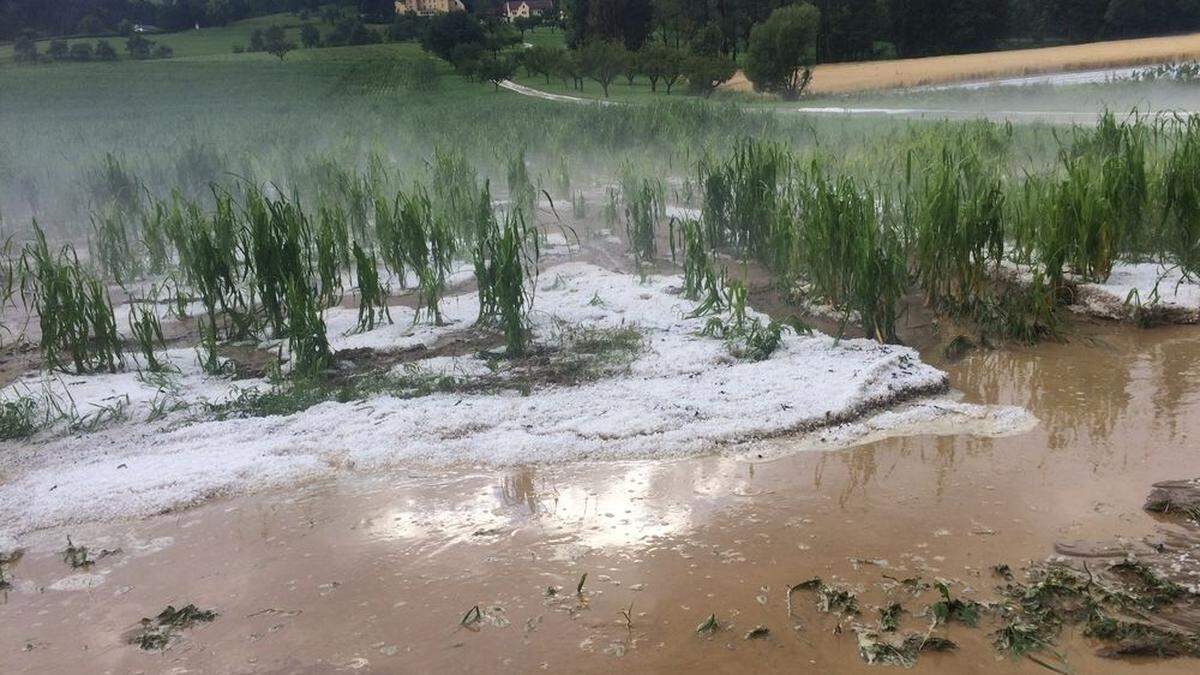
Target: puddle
[[377, 574]]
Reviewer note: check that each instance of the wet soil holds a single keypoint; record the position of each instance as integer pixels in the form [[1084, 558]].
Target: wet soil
[[376, 573]]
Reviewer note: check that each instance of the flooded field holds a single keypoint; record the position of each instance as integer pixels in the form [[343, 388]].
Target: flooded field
[[376, 573]]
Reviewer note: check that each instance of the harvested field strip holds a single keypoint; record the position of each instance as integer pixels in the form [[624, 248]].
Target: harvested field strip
[[841, 78]]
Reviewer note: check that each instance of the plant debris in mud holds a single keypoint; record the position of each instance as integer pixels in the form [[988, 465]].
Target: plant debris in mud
[[7, 559], [708, 626], [158, 633], [1124, 605], [583, 354], [830, 599], [77, 556], [953, 609], [889, 617], [878, 649]]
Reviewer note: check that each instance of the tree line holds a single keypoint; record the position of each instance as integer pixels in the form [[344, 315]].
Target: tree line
[[866, 29], [848, 30]]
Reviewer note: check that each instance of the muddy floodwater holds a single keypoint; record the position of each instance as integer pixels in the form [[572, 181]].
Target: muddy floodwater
[[376, 573]]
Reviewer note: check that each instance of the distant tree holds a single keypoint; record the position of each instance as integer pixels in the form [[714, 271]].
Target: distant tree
[[138, 47], [219, 12], [163, 52], [406, 27], [25, 49], [850, 29], [104, 51], [603, 61], [466, 58], [350, 30], [629, 22], [660, 62], [633, 67], [310, 35], [495, 68], [125, 28], [91, 25], [446, 31], [783, 49], [674, 21], [637, 23], [708, 40], [524, 23], [57, 50], [258, 41], [80, 51], [540, 60], [276, 42], [500, 36], [570, 67], [705, 73], [578, 12]]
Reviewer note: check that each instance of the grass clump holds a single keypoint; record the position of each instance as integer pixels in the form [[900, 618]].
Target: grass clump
[[18, 418], [745, 337]]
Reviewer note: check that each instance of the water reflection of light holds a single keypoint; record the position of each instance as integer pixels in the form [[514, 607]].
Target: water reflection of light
[[598, 506]]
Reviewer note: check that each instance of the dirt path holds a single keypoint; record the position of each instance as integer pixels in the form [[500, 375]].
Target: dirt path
[[375, 574], [1027, 116]]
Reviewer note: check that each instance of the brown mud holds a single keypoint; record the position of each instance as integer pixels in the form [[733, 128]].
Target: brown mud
[[378, 574]]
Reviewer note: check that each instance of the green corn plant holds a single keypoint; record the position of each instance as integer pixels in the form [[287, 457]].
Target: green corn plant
[[372, 295], [154, 238], [579, 206], [564, 176], [521, 191], [147, 333], [111, 184], [1181, 193], [642, 208], [506, 270], [75, 314], [612, 210], [851, 258], [428, 248], [696, 259], [958, 229], [391, 240], [333, 256], [111, 245], [306, 334], [455, 185]]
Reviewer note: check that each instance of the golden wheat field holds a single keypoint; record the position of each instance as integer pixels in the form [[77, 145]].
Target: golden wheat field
[[842, 78]]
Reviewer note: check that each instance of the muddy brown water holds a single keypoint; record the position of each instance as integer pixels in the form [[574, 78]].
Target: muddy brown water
[[374, 573]]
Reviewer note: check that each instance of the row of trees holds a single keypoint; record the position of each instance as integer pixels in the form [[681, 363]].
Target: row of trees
[[25, 50], [607, 61], [99, 17], [849, 29], [859, 29], [485, 51]]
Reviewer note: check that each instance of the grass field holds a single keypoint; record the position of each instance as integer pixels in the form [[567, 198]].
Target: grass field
[[204, 42]]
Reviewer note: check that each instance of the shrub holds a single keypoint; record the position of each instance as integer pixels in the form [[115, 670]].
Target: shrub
[[783, 49], [104, 51]]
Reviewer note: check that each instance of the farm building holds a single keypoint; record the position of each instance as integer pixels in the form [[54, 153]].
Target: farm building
[[524, 9], [429, 7]]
